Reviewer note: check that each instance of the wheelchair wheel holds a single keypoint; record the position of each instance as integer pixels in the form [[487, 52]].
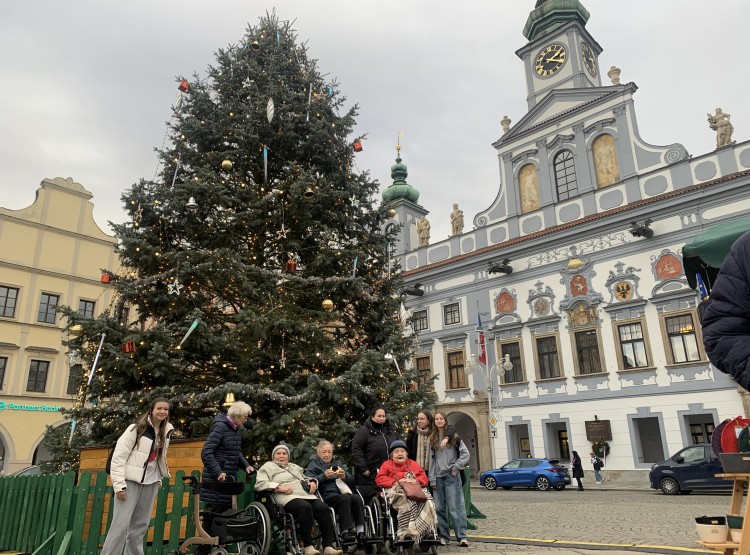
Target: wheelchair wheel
[[262, 543], [219, 551], [376, 525]]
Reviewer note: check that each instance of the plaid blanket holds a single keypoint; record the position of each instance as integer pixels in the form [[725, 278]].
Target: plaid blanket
[[414, 517]]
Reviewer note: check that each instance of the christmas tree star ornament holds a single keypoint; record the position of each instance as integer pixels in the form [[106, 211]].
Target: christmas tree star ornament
[[138, 215], [270, 109], [281, 234], [175, 288]]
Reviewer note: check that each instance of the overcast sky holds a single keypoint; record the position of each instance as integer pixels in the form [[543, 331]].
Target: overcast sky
[[86, 85]]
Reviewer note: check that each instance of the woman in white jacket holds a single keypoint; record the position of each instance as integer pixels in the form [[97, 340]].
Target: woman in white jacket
[[139, 463]]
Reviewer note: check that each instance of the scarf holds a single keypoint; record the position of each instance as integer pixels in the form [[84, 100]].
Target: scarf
[[423, 448]]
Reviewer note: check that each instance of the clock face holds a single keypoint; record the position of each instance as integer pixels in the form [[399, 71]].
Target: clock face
[[550, 59], [589, 61]]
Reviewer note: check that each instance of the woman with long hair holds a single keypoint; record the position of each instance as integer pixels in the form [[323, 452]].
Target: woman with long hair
[[139, 462], [447, 463]]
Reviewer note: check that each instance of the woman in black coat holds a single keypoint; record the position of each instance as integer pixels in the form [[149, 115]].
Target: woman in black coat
[[575, 462], [222, 458], [370, 450]]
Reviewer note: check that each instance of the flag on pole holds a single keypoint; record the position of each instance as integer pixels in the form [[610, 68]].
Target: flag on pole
[[482, 357]]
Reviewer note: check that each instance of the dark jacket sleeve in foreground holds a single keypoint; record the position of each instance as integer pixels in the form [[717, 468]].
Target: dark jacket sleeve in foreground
[[726, 320]]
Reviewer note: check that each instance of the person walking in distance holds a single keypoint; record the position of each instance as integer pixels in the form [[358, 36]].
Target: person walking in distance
[[577, 466], [139, 462], [597, 463]]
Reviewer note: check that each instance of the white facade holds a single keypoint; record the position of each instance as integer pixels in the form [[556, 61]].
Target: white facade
[[599, 322]]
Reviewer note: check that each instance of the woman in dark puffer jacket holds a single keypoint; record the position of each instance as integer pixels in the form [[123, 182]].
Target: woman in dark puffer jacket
[[726, 319], [370, 450], [222, 458]]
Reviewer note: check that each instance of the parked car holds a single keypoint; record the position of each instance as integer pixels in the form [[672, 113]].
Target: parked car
[[28, 471], [541, 474], [693, 467]]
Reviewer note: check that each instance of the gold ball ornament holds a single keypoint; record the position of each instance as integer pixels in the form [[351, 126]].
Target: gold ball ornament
[[226, 165], [392, 213], [328, 305], [77, 330]]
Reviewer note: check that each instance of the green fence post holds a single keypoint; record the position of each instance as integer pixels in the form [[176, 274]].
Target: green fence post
[[63, 515]]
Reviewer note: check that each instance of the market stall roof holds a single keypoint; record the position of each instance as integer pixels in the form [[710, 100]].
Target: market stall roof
[[708, 250]]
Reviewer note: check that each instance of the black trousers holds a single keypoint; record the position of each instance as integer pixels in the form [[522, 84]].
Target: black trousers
[[350, 510], [303, 511], [580, 484]]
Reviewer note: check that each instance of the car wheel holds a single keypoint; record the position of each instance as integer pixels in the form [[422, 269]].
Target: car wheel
[[542, 483], [490, 483], [560, 487], [507, 487], [669, 486]]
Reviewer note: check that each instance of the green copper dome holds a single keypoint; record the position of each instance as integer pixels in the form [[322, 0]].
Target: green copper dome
[[400, 189], [552, 14]]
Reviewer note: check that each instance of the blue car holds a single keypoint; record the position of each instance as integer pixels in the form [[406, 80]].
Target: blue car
[[541, 474]]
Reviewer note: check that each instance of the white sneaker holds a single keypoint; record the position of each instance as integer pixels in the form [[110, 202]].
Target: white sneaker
[[310, 550]]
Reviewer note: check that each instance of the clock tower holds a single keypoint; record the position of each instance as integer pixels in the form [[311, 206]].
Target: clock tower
[[560, 52]]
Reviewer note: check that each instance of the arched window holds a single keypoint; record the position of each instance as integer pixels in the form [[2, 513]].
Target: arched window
[[565, 175]]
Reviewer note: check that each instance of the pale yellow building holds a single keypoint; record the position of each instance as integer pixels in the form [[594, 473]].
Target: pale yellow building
[[51, 255]]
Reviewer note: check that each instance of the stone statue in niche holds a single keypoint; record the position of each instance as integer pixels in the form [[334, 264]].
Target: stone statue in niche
[[457, 220], [423, 229], [529, 187], [720, 123], [605, 161]]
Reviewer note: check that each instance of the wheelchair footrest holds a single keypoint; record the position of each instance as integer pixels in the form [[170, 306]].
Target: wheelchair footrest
[[405, 541], [373, 541]]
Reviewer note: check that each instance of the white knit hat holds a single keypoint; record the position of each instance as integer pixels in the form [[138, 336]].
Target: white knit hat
[[280, 446]]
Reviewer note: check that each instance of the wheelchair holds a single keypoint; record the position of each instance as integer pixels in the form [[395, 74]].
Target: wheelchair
[[249, 528], [373, 539], [385, 522]]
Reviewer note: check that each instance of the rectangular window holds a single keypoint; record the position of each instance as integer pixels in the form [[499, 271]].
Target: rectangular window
[[8, 298], [38, 371], [3, 366], [456, 372], [547, 358], [683, 342], [419, 320], [74, 379], [424, 367], [451, 314], [48, 308], [632, 346], [86, 308], [515, 374], [587, 351]]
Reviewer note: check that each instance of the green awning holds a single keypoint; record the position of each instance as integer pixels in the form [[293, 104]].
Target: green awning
[[708, 250]]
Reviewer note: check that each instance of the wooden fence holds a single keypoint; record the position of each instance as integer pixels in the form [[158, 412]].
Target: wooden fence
[[53, 515]]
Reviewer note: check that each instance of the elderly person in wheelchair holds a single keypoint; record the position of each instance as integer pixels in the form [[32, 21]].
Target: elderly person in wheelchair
[[416, 518], [336, 488], [296, 494]]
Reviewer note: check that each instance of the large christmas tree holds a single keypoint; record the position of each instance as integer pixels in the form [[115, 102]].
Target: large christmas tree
[[261, 238]]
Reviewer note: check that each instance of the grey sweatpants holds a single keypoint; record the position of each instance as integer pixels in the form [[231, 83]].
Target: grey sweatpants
[[130, 520]]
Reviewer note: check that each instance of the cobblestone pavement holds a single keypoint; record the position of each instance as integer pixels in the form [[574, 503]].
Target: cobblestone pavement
[[622, 520]]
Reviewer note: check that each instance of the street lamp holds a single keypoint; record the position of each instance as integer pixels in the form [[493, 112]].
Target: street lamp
[[389, 357], [507, 365]]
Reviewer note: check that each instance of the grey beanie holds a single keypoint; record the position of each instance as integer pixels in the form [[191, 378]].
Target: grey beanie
[[280, 446]]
